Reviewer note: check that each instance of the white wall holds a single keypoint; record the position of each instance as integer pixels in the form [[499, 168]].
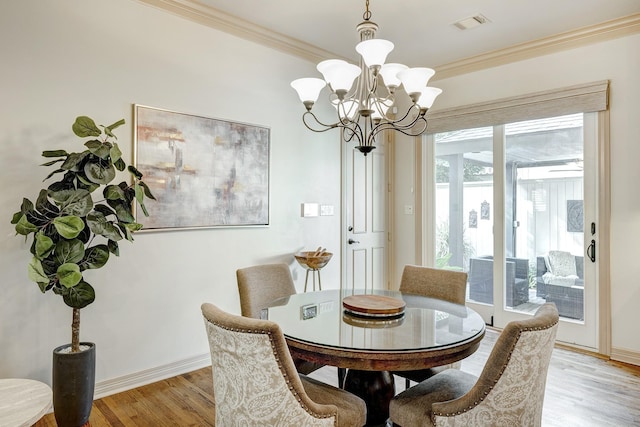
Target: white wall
[[618, 61], [65, 58]]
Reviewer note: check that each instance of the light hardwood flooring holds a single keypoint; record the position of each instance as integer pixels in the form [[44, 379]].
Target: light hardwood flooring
[[582, 391]]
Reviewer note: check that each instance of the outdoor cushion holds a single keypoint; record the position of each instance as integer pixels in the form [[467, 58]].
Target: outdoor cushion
[[562, 264]]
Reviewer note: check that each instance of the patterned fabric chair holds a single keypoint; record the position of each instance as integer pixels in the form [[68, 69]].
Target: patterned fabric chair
[[260, 285], [443, 284], [255, 382], [509, 391]]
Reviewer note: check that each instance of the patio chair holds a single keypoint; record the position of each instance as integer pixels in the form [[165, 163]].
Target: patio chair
[[255, 382], [509, 391], [438, 283]]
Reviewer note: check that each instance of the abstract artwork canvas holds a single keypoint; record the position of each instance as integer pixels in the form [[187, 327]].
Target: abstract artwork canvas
[[203, 172]]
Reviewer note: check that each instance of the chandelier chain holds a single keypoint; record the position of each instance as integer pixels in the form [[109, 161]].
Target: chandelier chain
[[367, 14]]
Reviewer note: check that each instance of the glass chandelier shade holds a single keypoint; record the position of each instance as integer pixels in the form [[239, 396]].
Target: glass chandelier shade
[[363, 95]]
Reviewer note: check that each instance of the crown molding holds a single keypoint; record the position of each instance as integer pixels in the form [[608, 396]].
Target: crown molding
[[205, 15], [568, 40]]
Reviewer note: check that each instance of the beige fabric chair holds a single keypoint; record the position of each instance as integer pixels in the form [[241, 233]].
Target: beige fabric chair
[[438, 283], [255, 382], [259, 285], [509, 391], [443, 284]]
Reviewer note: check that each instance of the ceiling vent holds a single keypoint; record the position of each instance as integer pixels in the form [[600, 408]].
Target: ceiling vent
[[471, 22]]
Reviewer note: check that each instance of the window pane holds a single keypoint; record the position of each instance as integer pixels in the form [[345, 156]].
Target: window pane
[[544, 205], [464, 215]]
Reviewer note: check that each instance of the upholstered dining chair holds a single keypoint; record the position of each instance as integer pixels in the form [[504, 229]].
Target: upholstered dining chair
[[509, 391], [258, 286], [255, 382], [448, 285]]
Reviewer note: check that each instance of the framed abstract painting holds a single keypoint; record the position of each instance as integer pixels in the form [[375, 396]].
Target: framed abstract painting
[[204, 172]]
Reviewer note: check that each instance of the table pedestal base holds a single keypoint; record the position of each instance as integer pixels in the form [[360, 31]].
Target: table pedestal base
[[376, 388]]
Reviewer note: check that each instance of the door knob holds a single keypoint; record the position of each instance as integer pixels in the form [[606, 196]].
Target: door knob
[[351, 241]]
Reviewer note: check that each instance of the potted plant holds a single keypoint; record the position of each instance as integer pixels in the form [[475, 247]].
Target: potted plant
[[72, 233]]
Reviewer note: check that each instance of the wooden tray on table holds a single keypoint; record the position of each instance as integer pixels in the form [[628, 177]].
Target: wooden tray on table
[[373, 306]]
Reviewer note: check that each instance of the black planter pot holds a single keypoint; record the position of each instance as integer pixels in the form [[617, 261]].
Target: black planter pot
[[74, 378]]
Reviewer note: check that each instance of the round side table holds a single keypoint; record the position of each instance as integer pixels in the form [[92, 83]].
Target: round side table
[[23, 402]]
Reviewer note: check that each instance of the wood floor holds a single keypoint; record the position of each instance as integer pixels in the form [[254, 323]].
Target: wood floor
[[582, 391]]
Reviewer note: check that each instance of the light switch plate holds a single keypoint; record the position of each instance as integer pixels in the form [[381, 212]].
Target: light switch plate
[[310, 209]]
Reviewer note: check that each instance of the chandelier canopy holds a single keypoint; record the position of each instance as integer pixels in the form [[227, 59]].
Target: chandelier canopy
[[364, 107]]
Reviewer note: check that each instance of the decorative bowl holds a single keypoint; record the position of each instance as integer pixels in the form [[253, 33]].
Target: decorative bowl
[[310, 261]]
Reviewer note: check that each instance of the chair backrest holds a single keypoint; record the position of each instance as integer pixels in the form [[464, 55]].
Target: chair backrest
[[438, 283], [254, 380], [261, 284], [510, 389]]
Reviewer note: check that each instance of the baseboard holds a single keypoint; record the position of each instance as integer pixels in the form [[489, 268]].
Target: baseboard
[[148, 376], [626, 356]]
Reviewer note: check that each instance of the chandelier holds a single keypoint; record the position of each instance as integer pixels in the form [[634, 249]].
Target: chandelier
[[364, 107]]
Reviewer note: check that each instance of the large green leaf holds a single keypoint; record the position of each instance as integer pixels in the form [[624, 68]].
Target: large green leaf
[[147, 191], [54, 153], [85, 126], [24, 227], [104, 209], [126, 232], [52, 162], [44, 245], [68, 251], [99, 224], [115, 153], [68, 226], [113, 192], [100, 173], [27, 206], [73, 202], [16, 217], [98, 148], [123, 211], [135, 172], [113, 247], [44, 206], [69, 275], [108, 129], [79, 296], [95, 257], [120, 164], [53, 173], [74, 160], [37, 274]]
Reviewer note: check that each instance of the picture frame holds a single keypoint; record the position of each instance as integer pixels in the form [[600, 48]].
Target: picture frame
[[204, 172], [575, 216]]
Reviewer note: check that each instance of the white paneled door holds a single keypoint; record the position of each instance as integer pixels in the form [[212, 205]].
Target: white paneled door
[[365, 218]]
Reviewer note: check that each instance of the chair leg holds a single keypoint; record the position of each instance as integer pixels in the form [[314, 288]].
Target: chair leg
[[342, 373], [407, 383]]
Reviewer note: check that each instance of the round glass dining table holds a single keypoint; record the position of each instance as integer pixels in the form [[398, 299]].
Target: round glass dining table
[[428, 333]]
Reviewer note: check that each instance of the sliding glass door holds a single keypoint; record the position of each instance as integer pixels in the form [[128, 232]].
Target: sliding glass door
[[515, 207]]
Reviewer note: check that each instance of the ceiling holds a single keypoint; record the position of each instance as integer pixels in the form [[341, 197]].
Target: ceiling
[[423, 30]]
